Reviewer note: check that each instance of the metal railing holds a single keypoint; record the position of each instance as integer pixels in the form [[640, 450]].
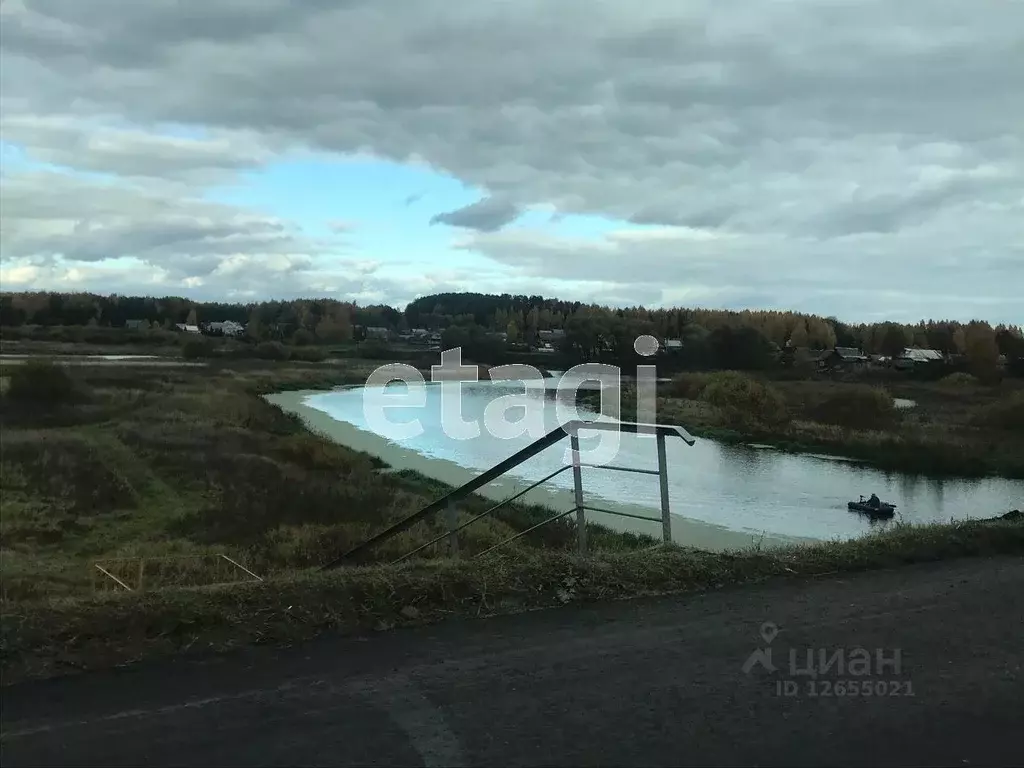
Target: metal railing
[[571, 430]]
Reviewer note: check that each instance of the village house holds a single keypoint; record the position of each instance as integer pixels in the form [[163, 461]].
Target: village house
[[913, 357], [843, 358], [552, 336], [136, 325], [185, 328], [226, 328]]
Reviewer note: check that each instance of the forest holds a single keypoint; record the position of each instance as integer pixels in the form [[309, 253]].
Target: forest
[[711, 338]]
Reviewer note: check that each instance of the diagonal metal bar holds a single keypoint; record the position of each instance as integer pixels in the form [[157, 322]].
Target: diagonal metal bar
[[523, 533], [617, 468], [622, 514], [486, 512], [571, 428], [480, 481], [240, 566], [107, 573]]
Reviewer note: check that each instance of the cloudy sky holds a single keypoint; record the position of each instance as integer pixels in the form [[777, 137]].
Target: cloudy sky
[[862, 158]]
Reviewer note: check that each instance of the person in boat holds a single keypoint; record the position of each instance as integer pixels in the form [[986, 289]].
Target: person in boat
[[874, 501]]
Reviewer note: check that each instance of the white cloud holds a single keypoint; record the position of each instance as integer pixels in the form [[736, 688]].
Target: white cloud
[[815, 153]]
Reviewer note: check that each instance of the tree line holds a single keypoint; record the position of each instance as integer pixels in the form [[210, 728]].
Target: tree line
[[711, 338]]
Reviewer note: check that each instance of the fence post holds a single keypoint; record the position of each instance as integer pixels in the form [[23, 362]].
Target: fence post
[[142, 572], [452, 515], [666, 516], [577, 481]]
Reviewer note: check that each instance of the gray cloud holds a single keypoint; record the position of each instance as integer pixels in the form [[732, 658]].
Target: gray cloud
[[856, 277], [89, 145], [487, 215], [82, 219], [819, 140]]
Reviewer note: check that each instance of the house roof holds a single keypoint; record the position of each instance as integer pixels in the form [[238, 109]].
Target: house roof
[[850, 353], [921, 355]]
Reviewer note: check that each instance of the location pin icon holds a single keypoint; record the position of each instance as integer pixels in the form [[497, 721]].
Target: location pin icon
[[769, 631]]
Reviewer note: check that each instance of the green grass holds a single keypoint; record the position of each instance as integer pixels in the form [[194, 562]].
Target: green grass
[[41, 639], [152, 463]]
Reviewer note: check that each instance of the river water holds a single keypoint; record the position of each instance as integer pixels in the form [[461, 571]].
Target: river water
[[721, 495]]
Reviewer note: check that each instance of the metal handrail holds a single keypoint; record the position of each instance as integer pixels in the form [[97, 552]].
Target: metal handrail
[[570, 429]]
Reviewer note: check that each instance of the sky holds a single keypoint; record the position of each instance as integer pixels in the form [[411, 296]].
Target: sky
[[856, 158]]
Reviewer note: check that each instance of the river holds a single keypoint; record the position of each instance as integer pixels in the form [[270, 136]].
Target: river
[[722, 496]]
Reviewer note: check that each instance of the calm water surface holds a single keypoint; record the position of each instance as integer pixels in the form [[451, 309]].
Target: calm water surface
[[746, 489]]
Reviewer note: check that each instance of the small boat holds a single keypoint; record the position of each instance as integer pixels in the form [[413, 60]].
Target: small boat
[[884, 509]]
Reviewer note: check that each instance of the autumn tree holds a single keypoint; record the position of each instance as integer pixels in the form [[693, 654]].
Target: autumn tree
[[982, 350], [960, 340], [891, 339], [798, 337], [335, 326]]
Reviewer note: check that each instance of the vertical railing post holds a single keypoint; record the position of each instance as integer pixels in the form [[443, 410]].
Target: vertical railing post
[[142, 573], [453, 536], [666, 516], [577, 482]]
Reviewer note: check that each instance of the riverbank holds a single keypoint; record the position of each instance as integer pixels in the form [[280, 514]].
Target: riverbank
[[182, 466], [208, 510], [951, 431], [449, 474]]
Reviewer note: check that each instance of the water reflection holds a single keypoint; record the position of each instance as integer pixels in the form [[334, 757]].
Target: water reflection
[[742, 487]]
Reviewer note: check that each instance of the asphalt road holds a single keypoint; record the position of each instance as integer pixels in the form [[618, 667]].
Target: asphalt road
[[651, 682]]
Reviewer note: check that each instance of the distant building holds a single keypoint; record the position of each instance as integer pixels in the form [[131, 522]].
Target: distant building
[[378, 332], [419, 336], [553, 335], [913, 357], [843, 357], [136, 325], [226, 328], [185, 328]]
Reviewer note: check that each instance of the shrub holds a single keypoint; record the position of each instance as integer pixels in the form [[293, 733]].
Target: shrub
[[303, 338], [746, 402], [272, 350], [864, 408], [959, 380], [44, 383], [1006, 413], [688, 385], [197, 348]]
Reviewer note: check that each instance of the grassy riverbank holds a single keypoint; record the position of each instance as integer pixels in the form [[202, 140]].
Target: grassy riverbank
[[182, 483], [955, 429], [41, 639], [191, 464]]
